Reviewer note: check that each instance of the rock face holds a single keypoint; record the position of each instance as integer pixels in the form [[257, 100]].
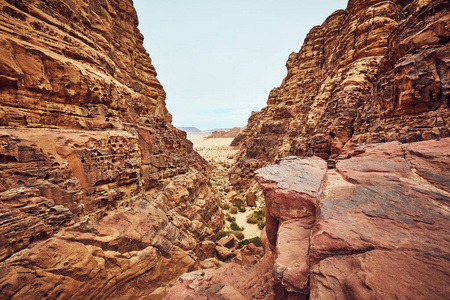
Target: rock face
[[375, 72], [101, 197], [383, 229], [376, 227]]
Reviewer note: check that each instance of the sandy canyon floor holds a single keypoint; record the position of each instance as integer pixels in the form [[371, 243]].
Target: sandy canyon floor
[[220, 155]]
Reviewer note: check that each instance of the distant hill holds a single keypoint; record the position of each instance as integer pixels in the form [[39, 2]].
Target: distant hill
[[231, 133], [189, 129]]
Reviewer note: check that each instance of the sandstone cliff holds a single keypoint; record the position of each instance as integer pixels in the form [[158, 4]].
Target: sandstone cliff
[[365, 213], [375, 72], [101, 197]]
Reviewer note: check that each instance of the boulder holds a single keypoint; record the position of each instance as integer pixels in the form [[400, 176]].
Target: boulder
[[250, 199], [223, 253], [228, 241]]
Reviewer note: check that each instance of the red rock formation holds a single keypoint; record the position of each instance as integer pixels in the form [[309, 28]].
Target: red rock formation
[[375, 72], [101, 197], [386, 235]]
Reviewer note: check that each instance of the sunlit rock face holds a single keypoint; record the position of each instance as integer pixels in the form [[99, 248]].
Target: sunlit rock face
[[101, 197], [375, 72]]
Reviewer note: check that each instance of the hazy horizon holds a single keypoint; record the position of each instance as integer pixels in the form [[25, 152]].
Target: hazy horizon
[[218, 61]]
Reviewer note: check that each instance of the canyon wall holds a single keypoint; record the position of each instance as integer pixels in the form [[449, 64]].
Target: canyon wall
[[101, 197], [375, 72], [364, 212]]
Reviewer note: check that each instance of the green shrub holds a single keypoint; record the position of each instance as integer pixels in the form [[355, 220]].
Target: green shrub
[[261, 224], [239, 207], [259, 213], [230, 218], [236, 227], [234, 210], [239, 234], [222, 234], [255, 217], [252, 219], [255, 240]]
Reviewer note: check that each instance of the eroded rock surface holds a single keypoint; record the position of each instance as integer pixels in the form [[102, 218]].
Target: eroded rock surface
[[101, 197], [375, 72], [386, 234]]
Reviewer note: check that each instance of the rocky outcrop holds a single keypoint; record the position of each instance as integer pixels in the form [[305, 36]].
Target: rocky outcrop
[[375, 72], [247, 277], [375, 227], [101, 197], [383, 227], [232, 133], [292, 192]]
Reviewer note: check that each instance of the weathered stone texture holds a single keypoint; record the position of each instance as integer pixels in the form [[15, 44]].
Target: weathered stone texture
[[100, 196]]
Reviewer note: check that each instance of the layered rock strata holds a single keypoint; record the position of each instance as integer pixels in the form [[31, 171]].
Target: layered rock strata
[[375, 72], [376, 227], [101, 197]]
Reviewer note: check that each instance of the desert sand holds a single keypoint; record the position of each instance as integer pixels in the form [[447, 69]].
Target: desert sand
[[220, 155]]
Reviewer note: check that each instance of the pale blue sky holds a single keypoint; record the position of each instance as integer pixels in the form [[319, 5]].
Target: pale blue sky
[[218, 60]]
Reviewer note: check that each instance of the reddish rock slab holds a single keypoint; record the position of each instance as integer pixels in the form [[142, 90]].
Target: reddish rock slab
[[291, 267], [292, 190], [430, 161], [381, 274], [294, 186], [387, 236]]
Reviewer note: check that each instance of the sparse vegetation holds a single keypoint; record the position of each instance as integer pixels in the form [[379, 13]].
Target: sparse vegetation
[[255, 240], [239, 235], [255, 217], [226, 165], [225, 206], [230, 218], [261, 224], [239, 207], [222, 234], [234, 210]]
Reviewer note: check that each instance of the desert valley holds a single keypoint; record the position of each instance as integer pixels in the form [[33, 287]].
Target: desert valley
[[339, 188]]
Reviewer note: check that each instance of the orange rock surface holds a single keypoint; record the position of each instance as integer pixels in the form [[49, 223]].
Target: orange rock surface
[[101, 197]]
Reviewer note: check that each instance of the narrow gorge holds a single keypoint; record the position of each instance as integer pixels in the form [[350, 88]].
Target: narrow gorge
[[101, 197]]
